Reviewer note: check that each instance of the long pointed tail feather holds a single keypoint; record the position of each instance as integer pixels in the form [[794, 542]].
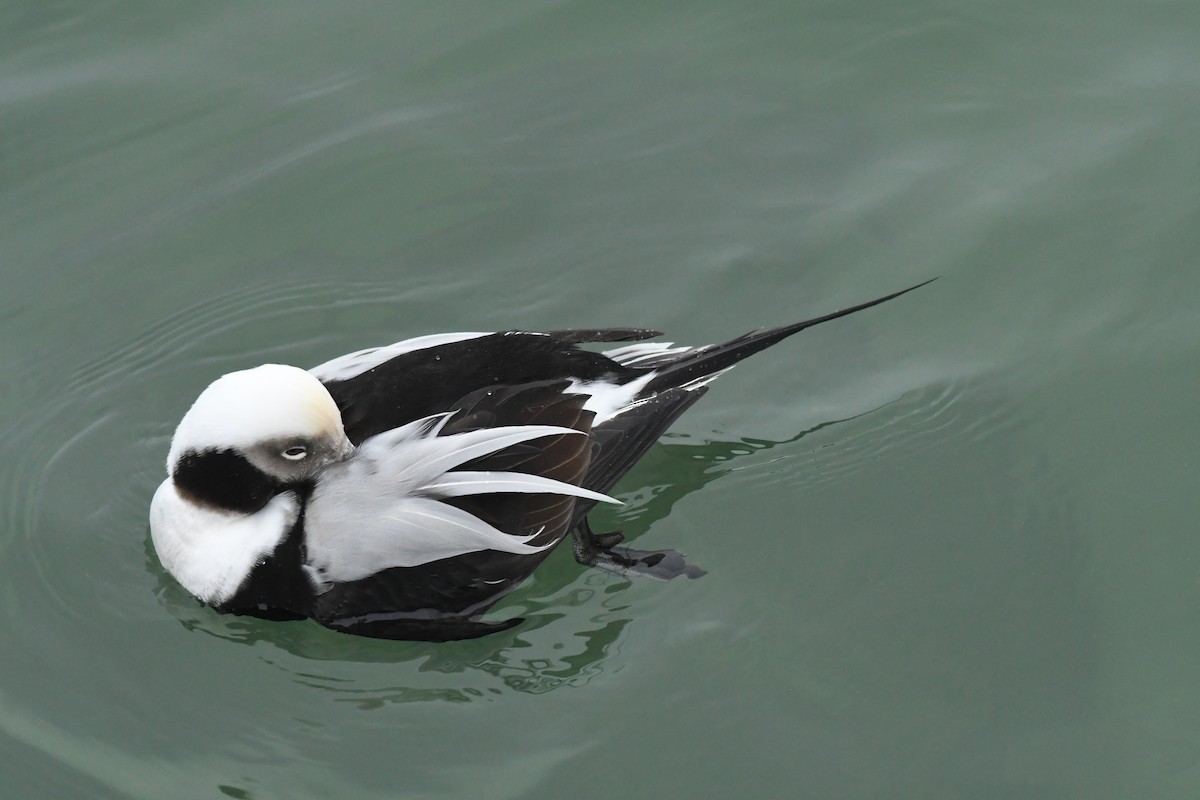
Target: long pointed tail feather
[[696, 366]]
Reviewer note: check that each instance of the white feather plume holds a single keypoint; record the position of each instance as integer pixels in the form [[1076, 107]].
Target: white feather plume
[[382, 508]]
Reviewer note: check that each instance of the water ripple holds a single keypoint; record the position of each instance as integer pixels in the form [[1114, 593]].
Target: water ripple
[[922, 419], [182, 333]]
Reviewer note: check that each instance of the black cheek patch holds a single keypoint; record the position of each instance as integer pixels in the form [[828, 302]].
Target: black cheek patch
[[225, 479]]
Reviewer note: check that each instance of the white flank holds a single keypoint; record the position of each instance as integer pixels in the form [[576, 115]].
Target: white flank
[[382, 508], [606, 399], [345, 367], [211, 552]]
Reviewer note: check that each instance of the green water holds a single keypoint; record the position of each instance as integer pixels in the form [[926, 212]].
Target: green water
[[951, 542]]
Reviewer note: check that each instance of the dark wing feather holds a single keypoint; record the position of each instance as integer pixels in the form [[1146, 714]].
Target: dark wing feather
[[436, 379], [564, 458], [581, 335], [620, 443]]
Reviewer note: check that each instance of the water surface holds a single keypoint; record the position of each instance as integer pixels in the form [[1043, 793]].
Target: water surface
[[950, 541]]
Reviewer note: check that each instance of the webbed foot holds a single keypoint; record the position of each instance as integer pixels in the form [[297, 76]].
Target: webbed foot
[[605, 541], [599, 550]]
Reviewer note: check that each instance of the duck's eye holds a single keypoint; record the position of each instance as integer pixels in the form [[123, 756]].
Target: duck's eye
[[294, 453]]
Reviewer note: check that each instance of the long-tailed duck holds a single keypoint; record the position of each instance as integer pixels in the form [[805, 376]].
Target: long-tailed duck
[[398, 492]]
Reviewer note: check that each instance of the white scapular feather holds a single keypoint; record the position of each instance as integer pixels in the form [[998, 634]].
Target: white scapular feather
[[704, 380], [609, 400], [468, 446], [347, 366], [460, 484], [382, 508]]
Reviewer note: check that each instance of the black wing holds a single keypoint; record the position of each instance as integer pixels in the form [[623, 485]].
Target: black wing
[[581, 335], [436, 379]]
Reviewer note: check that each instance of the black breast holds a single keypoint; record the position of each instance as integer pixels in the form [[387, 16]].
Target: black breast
[[278, 587]]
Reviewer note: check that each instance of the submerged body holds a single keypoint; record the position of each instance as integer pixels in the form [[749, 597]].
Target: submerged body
[[400, 491]]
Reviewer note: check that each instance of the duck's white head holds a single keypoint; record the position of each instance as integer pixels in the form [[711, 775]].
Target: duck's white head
[[279, 420]]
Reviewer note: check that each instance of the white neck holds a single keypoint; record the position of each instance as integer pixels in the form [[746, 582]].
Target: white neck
[[209, 551]]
